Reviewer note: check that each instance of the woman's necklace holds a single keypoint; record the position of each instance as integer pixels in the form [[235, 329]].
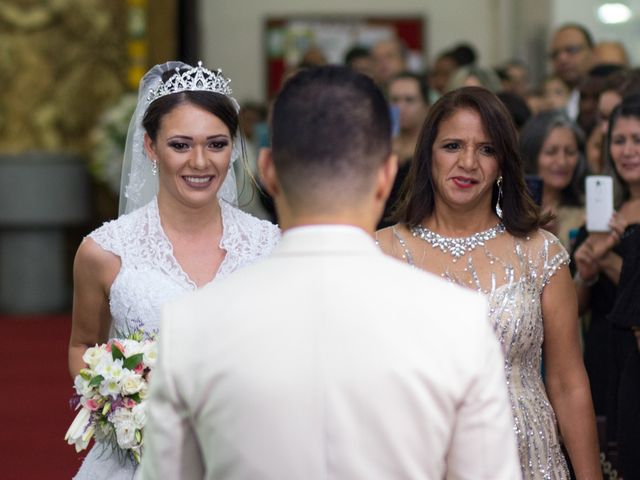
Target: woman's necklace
[[456, 246]]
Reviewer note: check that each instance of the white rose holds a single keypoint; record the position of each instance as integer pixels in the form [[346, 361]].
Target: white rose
[[92, 356], [130, 383], [150, 354], [139, 413], [131, 347], [119, 415], [144, 391], [125, 434], [82, 386]]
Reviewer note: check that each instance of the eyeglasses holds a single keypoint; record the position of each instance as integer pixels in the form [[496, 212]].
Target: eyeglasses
[[568, 49]]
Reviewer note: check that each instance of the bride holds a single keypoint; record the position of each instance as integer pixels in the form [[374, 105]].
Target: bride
[[178, 229]]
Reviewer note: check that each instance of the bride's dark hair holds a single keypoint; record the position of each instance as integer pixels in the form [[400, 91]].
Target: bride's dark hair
[[215, 103]]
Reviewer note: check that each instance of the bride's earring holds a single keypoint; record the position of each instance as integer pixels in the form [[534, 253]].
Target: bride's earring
[[499, 200], [154, 167]]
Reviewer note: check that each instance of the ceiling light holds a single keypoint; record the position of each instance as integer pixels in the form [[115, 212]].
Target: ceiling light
[[614, 13]]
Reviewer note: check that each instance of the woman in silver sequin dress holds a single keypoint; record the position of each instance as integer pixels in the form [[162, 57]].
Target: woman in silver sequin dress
[[464, 215]]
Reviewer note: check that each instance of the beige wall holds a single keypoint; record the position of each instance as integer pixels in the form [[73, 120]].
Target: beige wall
[[232, 30]]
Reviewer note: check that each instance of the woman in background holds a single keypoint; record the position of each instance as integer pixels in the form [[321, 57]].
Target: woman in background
[[552, 147], [598, 262]]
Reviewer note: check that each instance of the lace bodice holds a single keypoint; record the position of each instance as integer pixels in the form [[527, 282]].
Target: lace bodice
[[150, 275], [513, 273]]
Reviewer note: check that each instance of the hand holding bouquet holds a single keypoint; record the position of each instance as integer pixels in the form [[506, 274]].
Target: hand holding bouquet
[[111, 392]]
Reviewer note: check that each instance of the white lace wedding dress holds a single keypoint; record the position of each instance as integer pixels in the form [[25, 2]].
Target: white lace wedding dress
[[149, 276]]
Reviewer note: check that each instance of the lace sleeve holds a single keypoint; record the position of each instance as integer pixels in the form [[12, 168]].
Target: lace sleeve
[[107, 238], [245, 238], [552, 255]]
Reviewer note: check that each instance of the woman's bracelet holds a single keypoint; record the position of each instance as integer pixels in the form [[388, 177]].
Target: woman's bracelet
[[577, 278]]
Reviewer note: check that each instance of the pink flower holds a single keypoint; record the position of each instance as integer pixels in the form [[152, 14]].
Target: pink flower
[[129, 402], [118, 345], [91, 404], [139, 368]]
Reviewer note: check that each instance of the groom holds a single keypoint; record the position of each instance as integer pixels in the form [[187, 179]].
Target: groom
[[329, 360]]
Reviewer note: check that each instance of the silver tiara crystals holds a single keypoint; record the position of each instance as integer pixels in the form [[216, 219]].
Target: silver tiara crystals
[[196, 79]]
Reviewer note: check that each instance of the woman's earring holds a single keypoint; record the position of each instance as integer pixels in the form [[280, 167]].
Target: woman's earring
[[498, 208], [154, 167]]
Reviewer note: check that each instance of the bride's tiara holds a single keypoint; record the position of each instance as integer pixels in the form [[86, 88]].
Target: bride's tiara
[[196, 79]]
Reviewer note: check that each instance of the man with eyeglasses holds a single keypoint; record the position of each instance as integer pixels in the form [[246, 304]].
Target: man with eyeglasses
[[571, 58]]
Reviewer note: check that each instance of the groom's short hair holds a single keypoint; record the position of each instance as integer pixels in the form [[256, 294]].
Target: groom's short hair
[[331, 131]]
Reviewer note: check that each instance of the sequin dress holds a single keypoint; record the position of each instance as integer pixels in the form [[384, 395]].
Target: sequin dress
[[149, 276], [513, 273]]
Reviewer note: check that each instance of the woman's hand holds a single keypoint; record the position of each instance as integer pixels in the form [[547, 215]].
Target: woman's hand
[[587, 261], [618, 224], [593, 255]]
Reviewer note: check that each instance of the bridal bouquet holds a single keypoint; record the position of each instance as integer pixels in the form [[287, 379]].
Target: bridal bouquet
[[111, 392]]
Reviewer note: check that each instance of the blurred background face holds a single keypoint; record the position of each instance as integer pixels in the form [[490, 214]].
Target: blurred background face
[[472, 81], [606, 103], [404, 94], [518, 79], [570, 55], [387, 60], [611, 53], [441, 73], [625, 148], [558, 158], [556, 94], [590, 90], [364, 65]]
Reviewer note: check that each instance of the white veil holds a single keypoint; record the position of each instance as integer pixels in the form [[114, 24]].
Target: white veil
[[138, 185]]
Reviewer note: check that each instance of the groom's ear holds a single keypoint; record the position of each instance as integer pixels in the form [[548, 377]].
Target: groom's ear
[[268, 174], [386, 177]]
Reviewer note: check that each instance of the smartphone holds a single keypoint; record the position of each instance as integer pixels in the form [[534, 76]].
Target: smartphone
[[534, 187], [395, 120], [599, 190]]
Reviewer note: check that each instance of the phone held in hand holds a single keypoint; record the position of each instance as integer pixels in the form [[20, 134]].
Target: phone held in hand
[[599, 190]]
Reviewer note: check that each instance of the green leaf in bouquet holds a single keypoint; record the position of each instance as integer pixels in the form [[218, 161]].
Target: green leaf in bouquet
[[116, 353], [135, 397], [95, 381], [138, 436], [133, 361], [85, 373]]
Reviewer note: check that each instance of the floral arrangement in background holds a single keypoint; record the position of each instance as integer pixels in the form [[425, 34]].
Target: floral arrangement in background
[[111, 393], [108, 139]]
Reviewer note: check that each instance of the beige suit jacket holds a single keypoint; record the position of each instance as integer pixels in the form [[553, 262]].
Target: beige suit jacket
[[329, 360]]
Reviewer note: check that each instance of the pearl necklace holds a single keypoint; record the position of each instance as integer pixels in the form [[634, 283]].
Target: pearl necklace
[[456, 246]]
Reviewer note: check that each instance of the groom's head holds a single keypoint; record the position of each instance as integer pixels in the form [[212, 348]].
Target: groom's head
[[331, 146]]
